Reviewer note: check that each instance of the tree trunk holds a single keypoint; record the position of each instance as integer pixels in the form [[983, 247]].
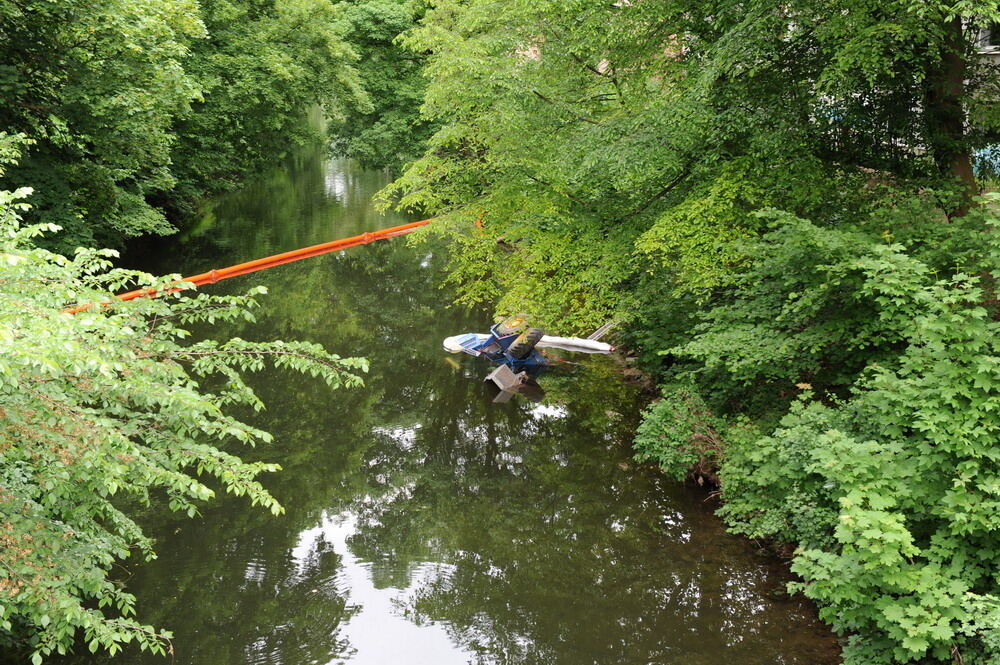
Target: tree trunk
[[945, 113]]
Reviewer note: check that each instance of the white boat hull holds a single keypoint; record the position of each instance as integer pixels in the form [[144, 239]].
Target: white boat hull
[[454, 344], [578, 344]]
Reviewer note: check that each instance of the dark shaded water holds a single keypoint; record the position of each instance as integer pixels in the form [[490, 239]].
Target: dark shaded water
[[425, 525]]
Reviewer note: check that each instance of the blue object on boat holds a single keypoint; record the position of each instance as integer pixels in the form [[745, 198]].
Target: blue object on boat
[[496, 348], [466, 343]]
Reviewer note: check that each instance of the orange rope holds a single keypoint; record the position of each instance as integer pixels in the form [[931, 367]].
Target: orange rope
[[213, 276]]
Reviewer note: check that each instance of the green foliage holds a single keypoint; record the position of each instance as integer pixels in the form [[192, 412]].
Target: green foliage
[[135, 105], [891, 492], [983, 624], [391, 132], [798, 312], [263, 64], [701, 240], [909, 468], [681, 433], [610, 149], [547, 180], [97, 87], [106, 410]]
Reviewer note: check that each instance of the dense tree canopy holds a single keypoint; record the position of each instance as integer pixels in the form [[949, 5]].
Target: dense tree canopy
[[391, 132], [609, 140], [137, 106], [262, 65], [778, 198], [97, 87]]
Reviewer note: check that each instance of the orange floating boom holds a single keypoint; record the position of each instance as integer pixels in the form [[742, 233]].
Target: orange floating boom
[[213, 276]]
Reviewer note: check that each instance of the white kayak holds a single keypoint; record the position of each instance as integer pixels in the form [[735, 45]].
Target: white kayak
[[574, 344], [469, 341]]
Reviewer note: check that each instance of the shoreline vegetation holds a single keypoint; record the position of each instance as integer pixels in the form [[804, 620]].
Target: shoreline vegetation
[[115, 117], [784, 204]]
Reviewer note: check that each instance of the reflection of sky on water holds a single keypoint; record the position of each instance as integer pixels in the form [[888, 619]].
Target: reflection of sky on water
[[336, 184], [548, 411], [559, 549], [378, 633], [404, 436]]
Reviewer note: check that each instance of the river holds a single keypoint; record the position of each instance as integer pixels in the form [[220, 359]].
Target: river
[[425, 524]]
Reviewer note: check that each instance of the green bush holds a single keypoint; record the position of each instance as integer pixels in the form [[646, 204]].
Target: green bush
[[107, 409], [682, 434], [891, 489]]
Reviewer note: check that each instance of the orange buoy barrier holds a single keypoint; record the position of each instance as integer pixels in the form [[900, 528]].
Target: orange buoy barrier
[[213, 276]]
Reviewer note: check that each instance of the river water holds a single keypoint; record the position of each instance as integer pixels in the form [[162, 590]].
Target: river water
[[426, 525]]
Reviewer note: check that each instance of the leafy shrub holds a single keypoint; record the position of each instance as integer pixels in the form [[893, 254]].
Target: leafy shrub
[[892, 490], [682, 434], [798, 313], [104, 409]]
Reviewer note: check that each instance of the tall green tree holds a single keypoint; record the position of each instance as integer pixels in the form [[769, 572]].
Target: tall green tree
[[97, 86], [615, 146], [392, 132]]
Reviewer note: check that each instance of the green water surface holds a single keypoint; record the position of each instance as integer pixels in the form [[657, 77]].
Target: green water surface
[[426, 525]]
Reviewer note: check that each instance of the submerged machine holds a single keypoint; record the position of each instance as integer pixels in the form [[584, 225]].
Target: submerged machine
[[514, 348]]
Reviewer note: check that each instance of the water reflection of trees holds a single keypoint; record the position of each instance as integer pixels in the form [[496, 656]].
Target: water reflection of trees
[[292, 609], [238, 585], [559, 550]]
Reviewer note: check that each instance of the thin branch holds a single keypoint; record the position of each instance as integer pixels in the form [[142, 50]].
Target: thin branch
[[575, 115], [612, 76], [656, 197], [251, 352]]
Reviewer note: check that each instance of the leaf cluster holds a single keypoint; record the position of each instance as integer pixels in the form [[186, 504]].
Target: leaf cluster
[[390, 132], [106, 410]]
